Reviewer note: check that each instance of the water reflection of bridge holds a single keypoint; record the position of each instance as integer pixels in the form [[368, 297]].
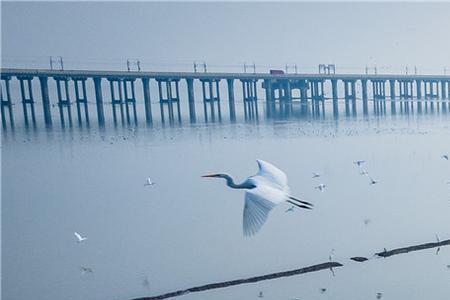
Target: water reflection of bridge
[[283, 95]]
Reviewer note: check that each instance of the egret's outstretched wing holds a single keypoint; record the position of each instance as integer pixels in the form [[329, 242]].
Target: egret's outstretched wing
[[272, 174], [258, 203], [78, 236]]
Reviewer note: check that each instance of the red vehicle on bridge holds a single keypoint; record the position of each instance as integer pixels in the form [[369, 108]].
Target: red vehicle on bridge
[[276, 72]]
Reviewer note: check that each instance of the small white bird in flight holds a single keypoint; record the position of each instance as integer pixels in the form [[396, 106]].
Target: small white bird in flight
[[86, 270], [321, 187], [263, 191], [79, 237], [359, 162], [149, 182], [373, 181], [315, 175], [445, 156]]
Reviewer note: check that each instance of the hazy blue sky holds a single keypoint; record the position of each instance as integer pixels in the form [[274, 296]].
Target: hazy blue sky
[[351, 35]]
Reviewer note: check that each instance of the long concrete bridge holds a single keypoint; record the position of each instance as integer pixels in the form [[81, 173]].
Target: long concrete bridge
[[279, 88]]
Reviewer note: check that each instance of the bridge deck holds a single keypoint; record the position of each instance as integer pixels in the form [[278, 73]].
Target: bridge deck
[[201, 75]]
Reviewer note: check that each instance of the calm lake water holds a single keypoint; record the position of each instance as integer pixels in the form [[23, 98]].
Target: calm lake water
[[186, 230]]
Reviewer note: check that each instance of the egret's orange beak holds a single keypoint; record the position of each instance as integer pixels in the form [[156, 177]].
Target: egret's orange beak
[[210, 175]]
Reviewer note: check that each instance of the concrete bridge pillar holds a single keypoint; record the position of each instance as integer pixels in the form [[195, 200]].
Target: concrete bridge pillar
[[287, 91], [392, 89], [334, 90], [147, 100], [317, 90], [211, 95], [349, 89], [419, 88], [62, 88], [231, 102], [432, 89], [406, 89], [99, 101], [364, 89], [81, 97], [270, 101], [6, 102], [168, 89], [117, 99], [43, 80], [379, 89], [129, 98], [26, 91], [249, 91], [444, 92], [191, 99]]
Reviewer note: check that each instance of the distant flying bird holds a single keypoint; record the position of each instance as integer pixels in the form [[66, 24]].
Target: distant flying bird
[[363, 172], [263, 191], [315, 175], [379, 295], [445, 156], [367, 221], [149, 182], [79, 237], [260, 295], [359, 162], [321, 187], [290, 209], [86, 270], [323, 290], [373, 181]]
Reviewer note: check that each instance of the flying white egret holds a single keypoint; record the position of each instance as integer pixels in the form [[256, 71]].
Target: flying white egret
[[79, 237], [373, 181], [149, 182], [359, 162], [315, 175], [263, 191], [86, 270], [321, 187]]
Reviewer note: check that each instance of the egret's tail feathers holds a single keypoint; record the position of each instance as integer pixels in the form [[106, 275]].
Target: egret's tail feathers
[[301, 201], [299, 205]]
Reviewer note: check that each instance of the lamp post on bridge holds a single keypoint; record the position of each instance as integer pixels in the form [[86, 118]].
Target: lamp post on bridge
[[56, 60], [133, 62], [253, 66]]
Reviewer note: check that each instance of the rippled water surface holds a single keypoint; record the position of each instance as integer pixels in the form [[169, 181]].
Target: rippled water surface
[[186, 231]]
